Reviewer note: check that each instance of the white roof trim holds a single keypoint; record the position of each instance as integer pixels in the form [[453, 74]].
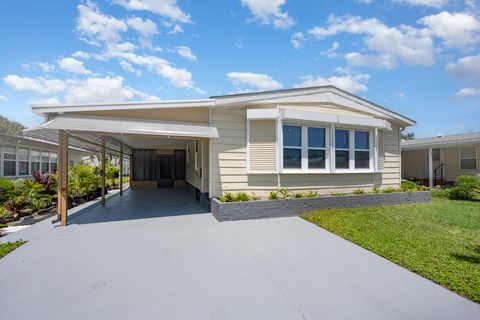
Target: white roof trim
[[42, 109], [121, 126], [309, 116]]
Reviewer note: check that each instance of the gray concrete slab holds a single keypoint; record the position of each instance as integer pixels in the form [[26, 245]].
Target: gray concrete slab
[[157, 254]]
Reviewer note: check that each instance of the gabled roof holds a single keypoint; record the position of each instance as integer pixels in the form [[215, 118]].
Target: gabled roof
[[442, 141], [320, 94]]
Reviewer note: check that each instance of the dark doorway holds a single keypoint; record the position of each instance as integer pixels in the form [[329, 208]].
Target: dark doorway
[[180, 165], [165, 171]]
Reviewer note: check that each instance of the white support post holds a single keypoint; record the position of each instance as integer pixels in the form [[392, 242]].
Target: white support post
[[430, 168], [121, 170], [103, 170]]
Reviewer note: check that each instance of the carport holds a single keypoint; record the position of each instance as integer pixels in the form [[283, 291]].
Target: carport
[[136, 139]]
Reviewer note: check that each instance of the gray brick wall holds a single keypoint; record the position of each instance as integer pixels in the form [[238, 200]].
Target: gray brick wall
[[291, 207]]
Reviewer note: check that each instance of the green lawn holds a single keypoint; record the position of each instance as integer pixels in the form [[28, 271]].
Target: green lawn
[[6, 248], [440, 240]]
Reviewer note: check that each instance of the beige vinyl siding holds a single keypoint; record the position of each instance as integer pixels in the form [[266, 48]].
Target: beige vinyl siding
[[229, 164], [414, 164], [451, 158], [263, 146], [391, 163]]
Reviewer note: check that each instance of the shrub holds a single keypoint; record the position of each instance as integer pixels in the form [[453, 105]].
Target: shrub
[[311, 194], [254, 196], [359, 191], [376, 189], [440, 193], [298, 195], [389, 190], [338, 194], [283, 192], [467, 188], [227, 197], [409, 186], [273, 195], [241, 196]]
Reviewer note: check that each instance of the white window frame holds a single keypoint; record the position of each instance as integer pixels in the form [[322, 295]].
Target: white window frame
[[352, 150], [11, 160], [39, 159], [197, 152], [18, 161], [460, 157], [304, 148]]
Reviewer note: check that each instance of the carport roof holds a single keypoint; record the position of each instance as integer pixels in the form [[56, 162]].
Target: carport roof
[[89, 129]]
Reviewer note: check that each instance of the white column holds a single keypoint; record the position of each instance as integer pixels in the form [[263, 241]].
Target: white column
[[430, 168]]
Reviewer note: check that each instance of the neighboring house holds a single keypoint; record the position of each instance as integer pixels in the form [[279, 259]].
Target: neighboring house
[[320, 138], [441, 159], [21, 156]]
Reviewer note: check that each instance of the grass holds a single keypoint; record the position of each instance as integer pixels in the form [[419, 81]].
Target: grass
[[439, 240], [6, 248]]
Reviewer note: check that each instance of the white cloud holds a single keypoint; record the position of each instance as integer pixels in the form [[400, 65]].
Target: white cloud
[[467, 68], [406, 44], [269, 12], [456, 29], [365, 1], [81, 55], [94, 25], [332, 51], [186, 52], [129, 68], [146, 28], [3, 98], [92, 89], [165, 8], [426, 3], [467, 92], [386, 61], [297, 40], [351, 83], [43, 66], [73, 65], [257, 81]]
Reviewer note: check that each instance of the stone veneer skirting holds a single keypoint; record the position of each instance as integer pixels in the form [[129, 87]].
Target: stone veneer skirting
[[227, 211]]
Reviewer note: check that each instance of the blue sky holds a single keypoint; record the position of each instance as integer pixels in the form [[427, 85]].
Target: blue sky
[[420, 58]]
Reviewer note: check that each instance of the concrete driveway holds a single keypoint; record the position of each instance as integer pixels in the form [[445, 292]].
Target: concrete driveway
[[160, 255]]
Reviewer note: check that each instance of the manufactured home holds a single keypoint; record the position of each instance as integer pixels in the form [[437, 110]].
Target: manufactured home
[[306, 139], [440, 160]]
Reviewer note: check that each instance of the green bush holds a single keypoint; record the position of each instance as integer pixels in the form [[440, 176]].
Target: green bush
[[242, 196], [376, 189], [283, 192], [254, 196], [273, 195], [359, 191], [466, 188], [338, 194], [298, 195], [389, 190], [227, 197], [311, 194], [440, 193], [409, 186]]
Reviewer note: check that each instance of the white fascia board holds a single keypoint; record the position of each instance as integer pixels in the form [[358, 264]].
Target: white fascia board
[[308, 116], [468, 143], [262, 114], [42, 109]]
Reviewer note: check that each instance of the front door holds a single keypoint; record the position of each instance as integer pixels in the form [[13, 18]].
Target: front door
[[165, 171]]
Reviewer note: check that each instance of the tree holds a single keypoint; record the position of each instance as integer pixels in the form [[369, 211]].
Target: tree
[[406, 135], [8, 126]]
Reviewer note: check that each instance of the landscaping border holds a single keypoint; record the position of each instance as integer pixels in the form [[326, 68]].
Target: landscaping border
[[229, 211]]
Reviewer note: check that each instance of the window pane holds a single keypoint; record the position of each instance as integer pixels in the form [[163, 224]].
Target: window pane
[[9, 168], [316, 159], [468, 164], [361, 140], [9, 152], [53, 157], [362, 159], [316, 137], [292, 158], [35, 155], [44, 167], [35, 167], [23, 168], [467, 153], [341, 159], [23, 154], [342, 139], [45, 156], [292, 136], [436, 154], [53, 167]]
